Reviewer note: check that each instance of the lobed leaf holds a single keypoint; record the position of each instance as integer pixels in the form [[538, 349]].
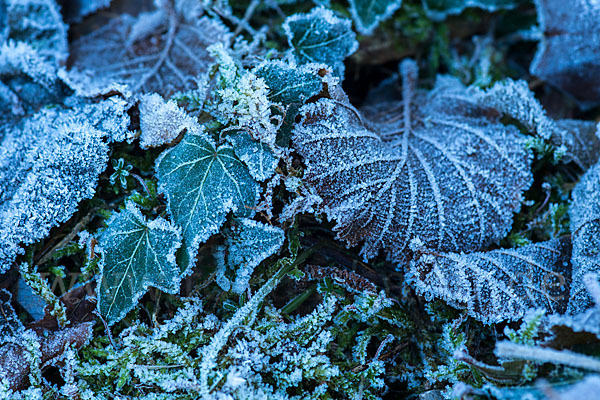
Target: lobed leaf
[[288, 83], [434, 166], [136, 254], [203, 183], [497, 285], [368, 14], [258, 157]]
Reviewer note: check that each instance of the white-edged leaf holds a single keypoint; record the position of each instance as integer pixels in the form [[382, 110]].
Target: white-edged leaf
[[440, 9], [368, 14], [75, 10], [258, 157], [203, 183], [136, 254], [154, 52], [247, 245], [289, 83], [160, 121], [320, 37], [584, 216], [568, 55], [496, 285], [434, 166]]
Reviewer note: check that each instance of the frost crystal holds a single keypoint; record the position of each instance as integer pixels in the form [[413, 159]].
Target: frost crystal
[[570, 29], [136, 254], [435, 166], [320, 37], [48, 164], [249, 243], [161, 122], [203, 183], [497, 285], [585, 227], [154, 52], [368, 14]]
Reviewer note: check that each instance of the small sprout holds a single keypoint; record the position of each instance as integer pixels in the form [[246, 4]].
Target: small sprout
[[121, 172]]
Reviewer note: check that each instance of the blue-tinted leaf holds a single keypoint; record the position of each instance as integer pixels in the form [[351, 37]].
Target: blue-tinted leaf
[[203, 183], [320, 37], [160, 121], [568, 55], [32, 302], [258, 157], [288, 83], [75, 10], [136, 254], [155, 52], [368, 14], [247, 245], [440, 9]]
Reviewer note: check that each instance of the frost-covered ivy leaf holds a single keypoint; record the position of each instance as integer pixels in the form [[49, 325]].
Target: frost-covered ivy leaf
[[320, 37], [578, 139], [440, 9], [568, 55], [203, 183], [154, 52], [434, 166], [368, 14], [136, 254], [10, 325], [288, 83], [258, 157], [584, 216], [39, 24], [247, 245], [160, 121], [497, 285]]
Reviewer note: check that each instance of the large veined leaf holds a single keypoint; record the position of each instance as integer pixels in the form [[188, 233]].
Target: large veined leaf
[[203, 183], [433, 166], [368, 14], [48, 164], [136, 254], [585, 228], [497, 285], [247, 245], [320, 37], [155, 52], [440, 9], [570, 28]]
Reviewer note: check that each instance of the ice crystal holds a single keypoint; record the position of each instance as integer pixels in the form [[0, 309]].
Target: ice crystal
[[320, 37], [203, 183], [499, 284], [368, 14], [585, 227], [249, 243], [136, 254], [161, 122], [157, 51], [570, 28], [434, 166]]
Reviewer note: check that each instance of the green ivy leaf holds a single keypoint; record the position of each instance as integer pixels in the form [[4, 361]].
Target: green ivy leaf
[[258, 157], [203, 183], [440, 9], [288, 83], [320, 37], [136, 254], [367, 14]]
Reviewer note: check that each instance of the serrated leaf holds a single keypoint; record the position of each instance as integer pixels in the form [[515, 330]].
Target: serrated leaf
[[578, 139], [248, 244], [434, 166], [136, 254], [75, 10], [440, 9], [584, 216], [568, 55], [320, 37], [161, 122], [258, 157], [155, 52], [203, 183], [290, 84], [497, 285], [368, 14]]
